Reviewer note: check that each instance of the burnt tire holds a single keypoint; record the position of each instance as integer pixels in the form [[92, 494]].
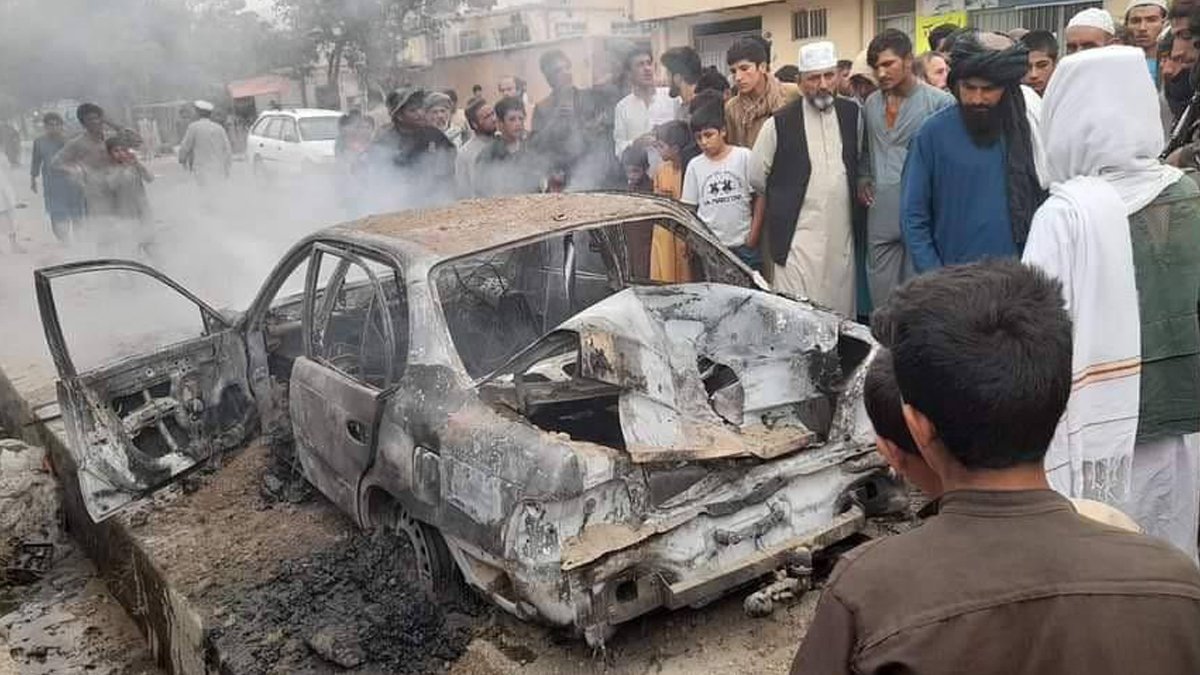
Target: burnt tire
[[432, 562]]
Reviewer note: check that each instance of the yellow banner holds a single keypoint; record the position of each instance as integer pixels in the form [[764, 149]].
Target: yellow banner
[[928, 23]]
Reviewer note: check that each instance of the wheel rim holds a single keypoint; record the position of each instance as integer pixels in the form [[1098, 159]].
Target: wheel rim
[[415, 533]]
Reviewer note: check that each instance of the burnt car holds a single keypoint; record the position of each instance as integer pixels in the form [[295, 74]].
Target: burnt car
[[582, 405]]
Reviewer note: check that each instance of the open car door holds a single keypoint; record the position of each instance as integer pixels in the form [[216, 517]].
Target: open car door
[[135, 423]]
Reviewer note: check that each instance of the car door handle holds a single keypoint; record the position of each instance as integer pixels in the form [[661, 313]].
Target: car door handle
[[356, 431]]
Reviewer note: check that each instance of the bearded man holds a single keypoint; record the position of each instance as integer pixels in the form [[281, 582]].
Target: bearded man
[[970, 184], [1122, 232], [805, 162]]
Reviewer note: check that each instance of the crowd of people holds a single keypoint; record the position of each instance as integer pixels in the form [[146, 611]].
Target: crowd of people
[[1027, 239]]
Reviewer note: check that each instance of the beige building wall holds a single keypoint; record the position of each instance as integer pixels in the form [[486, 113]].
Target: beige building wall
[[588, 57], [851, 23]]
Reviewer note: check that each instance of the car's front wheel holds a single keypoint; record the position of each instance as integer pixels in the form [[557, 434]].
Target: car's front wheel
[[432, 560]]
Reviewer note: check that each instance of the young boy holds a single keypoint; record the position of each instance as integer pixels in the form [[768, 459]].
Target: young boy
[[1007, 578], [717, 183], [884, 405], [636, 163]]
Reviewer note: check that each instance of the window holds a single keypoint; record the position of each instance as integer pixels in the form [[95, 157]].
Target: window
[[898, 14], [288, 131], [359, 322], [497, 303], [110, 315], [319, 128], [470, 41], [260, 127], [1053, 18], [513, 34], [810, 23], [275, 128], [713, 40]]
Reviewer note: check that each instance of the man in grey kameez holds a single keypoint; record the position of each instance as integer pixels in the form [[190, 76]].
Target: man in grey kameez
[[205, 147], [892, 116]]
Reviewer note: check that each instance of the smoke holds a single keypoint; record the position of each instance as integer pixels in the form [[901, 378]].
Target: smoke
[[219, 241]]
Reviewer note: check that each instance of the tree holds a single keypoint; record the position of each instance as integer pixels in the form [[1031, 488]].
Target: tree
[[123, 52]]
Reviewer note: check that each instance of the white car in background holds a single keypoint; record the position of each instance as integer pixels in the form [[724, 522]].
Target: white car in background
[[293, 140]]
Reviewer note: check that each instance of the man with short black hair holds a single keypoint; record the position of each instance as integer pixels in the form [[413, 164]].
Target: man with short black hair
[[892, 115], [568, 127], [939, 34], [1043, 56], [1144, 22], [1011, 578], [62, 198], [481, 117], [844, 68], [646, 106], [507, 167], [683, 67], [759, 95], [791, 75]]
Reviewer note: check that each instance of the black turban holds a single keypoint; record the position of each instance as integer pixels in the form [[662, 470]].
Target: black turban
[[1005, 67]]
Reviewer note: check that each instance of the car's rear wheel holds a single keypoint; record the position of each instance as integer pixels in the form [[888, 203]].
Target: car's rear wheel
[[431, 559]]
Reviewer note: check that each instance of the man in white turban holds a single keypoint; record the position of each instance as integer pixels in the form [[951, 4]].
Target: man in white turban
[[1122, 233], [205, 147], [1090, 29], [805, 162]]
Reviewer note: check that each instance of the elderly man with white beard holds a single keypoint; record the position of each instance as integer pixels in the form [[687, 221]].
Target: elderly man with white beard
[[1122, 233], [805, 162]]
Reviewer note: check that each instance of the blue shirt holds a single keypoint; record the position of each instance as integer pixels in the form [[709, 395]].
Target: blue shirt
[[954, 196]]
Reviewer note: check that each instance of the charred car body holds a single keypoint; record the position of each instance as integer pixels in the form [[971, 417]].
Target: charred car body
[[580, 403]]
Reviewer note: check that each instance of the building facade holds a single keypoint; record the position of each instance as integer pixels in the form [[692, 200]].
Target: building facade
[[481, 47], [712, 25]]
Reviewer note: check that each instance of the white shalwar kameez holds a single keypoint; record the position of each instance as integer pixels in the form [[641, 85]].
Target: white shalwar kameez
[[820, 264]]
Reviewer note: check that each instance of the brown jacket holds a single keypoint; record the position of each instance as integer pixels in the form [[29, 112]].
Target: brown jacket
[[1008, 582], [744, 116]]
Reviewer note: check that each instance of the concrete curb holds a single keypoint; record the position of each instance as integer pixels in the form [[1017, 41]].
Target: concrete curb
[[173, 629]]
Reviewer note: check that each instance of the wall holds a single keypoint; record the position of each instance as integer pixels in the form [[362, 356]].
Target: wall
[[588, 58], [850, 26]]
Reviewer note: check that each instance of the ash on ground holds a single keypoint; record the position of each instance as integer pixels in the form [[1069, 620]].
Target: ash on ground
[[357, 607], [56, 616]]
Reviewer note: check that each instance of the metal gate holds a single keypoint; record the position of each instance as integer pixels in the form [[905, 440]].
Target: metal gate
[[1053, 18]]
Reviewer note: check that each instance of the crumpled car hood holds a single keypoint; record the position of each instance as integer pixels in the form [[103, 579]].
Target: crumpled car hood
[[709, 371]]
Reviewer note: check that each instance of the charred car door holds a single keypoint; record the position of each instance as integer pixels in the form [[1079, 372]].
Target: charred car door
[[355, 337], [134, 423]]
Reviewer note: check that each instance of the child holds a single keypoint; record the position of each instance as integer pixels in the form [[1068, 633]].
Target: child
[[636, 162], [717, 183], [120, 208], [671, 140]]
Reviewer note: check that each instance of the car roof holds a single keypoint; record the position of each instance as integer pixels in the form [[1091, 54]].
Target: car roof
[[479, 224]]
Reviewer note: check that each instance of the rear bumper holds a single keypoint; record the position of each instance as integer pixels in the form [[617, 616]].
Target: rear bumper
[[689, 561]]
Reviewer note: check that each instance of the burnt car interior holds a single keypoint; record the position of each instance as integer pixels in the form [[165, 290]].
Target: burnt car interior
[[499, 302], [359, 309]]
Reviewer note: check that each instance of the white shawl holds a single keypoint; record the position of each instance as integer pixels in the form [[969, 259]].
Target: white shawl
[[1101, 156]]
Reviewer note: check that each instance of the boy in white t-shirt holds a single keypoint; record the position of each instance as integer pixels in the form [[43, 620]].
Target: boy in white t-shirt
[[717, 184]]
